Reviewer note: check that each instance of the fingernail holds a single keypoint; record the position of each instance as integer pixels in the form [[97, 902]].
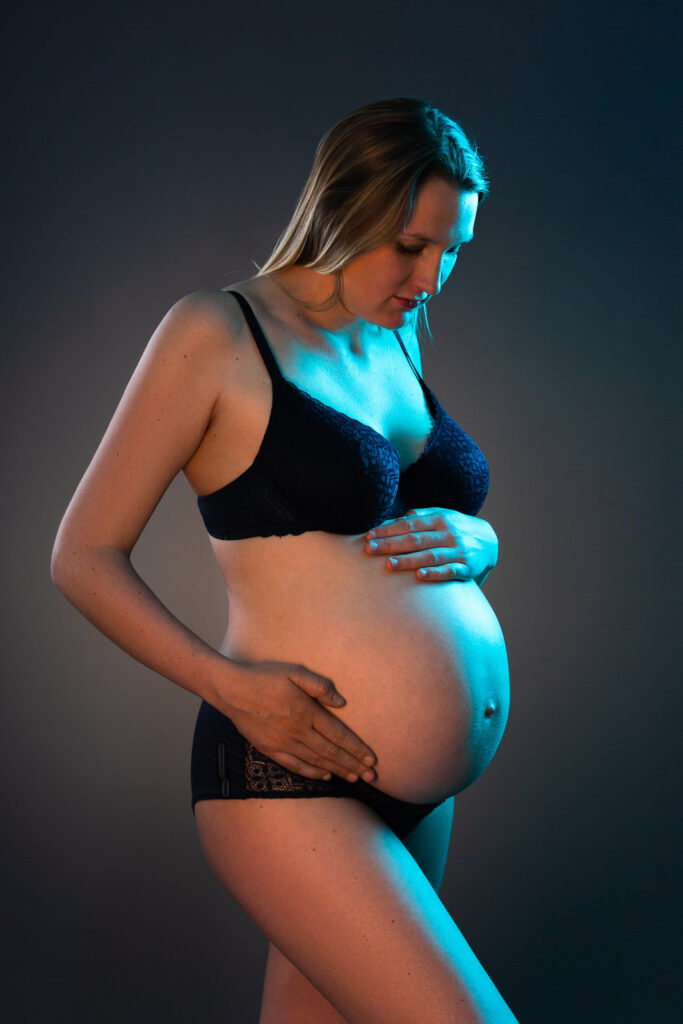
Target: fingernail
[[352, 777], [369, 776], [338, 699], [368, 759], [373, 545], [371, 533]]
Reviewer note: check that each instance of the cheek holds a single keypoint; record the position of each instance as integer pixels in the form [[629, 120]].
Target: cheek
[[375, 278]]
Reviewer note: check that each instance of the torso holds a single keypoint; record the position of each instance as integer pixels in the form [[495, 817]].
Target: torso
[[417, 663]]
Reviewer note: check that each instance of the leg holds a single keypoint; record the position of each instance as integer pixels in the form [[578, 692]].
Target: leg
[[290, 998], [288, 995], [341, 896]]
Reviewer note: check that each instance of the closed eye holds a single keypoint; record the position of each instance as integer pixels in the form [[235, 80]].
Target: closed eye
[[416, 252]]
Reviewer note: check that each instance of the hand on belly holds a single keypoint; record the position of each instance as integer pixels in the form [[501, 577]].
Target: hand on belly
[[423, 670], [433, 706]]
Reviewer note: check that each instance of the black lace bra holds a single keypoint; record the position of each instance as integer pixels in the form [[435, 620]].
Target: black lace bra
[[319, 469]]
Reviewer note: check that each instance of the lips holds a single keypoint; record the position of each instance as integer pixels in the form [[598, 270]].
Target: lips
[[407, 303]]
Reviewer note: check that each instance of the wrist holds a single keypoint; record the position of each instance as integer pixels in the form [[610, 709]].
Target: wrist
[[222, 682]]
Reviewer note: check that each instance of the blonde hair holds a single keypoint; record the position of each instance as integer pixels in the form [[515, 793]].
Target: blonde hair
[[362, 186]]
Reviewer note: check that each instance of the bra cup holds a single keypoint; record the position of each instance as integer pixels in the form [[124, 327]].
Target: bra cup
[[453, 474], [319, 469], [345, 475]]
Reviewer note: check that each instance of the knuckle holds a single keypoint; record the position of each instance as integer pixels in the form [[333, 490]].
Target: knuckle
[[337, 737], [301, 715], [292, 728]]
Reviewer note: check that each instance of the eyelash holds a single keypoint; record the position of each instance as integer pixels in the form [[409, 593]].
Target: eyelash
[[416, 252]]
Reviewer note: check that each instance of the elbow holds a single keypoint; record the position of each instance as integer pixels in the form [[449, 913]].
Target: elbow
[[72, 566], [66, 562], [59, 572], [58, 558]]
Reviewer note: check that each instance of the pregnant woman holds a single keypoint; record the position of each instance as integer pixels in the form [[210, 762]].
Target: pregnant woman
[[362, 680]]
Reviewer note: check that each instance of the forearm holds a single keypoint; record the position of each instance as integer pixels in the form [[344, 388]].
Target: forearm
[[103, 585]]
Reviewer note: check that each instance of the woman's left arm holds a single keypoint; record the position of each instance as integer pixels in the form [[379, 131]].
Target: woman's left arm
[[439, 544]]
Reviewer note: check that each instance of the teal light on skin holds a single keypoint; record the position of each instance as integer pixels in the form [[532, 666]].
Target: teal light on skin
[[416, 264]]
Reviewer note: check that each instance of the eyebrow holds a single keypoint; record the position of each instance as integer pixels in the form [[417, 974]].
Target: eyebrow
[[423, 238]]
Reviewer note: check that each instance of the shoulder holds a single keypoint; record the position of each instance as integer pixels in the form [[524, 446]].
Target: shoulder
[[204, 331], [204, 318]]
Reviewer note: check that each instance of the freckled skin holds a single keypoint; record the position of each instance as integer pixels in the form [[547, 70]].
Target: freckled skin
[[424, 672], [431, 702]]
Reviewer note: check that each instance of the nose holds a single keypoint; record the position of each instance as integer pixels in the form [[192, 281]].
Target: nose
[[429, 276]]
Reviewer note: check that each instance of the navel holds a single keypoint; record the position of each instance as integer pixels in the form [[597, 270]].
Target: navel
[[490, 708]]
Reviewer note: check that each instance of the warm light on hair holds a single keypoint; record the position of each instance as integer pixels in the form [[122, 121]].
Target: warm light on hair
[[362, 186]]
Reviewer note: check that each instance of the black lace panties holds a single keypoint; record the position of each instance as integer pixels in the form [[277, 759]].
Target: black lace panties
[[225, 766]]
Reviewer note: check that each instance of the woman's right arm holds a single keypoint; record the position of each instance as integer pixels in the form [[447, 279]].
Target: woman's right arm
[[159, 423]]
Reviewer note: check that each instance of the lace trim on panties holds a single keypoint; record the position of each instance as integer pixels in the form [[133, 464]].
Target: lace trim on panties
[[262, 775]]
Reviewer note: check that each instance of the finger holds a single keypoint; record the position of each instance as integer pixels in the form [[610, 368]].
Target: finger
[[298, 765], [338, 763], [428, 559], [412, 519], [323, 752], [442, 573], [341, 736], [402, 525], [319, 687], [415, 541]]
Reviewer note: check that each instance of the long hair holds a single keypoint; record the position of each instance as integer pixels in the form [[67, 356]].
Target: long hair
[[362, 186]]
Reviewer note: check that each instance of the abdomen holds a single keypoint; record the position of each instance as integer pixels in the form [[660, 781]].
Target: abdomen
[[422, 666]]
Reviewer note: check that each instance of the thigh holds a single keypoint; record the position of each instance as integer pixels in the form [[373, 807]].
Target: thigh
[[287, 994], [429, 841], [333, 888]]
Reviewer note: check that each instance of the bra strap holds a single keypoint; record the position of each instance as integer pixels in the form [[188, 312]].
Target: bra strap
[[405, 352], [259, 337]]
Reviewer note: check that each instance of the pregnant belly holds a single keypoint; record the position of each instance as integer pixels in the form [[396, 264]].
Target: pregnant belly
[[423, 667]]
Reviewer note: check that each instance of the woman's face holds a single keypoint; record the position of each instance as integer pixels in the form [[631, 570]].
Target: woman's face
[[415, 265]]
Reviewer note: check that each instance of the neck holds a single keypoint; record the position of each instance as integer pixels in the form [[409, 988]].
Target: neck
[[313, 304]]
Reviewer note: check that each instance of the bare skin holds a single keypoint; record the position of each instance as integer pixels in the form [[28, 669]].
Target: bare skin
[[357, 931], [286, 986]]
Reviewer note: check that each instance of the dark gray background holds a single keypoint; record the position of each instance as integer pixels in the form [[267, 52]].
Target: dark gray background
[[155, 149]]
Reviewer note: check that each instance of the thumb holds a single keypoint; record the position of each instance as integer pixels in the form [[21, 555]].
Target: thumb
[[319, 687]]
